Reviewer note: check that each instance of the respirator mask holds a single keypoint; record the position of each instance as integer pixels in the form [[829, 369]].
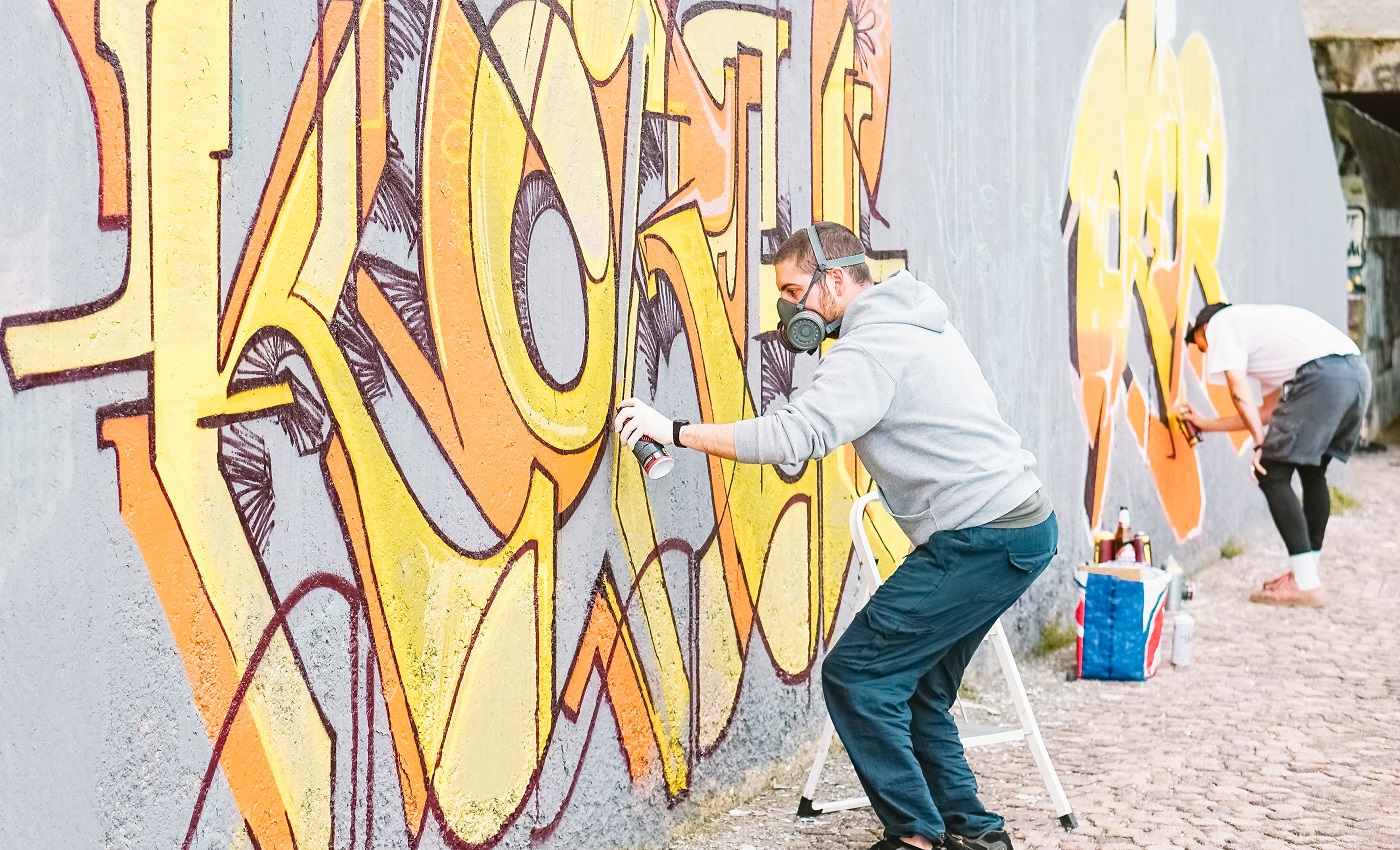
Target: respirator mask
[[799, 328]]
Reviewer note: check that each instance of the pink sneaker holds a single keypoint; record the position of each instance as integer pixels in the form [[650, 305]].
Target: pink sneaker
[[1286, 593], [1275, 582]]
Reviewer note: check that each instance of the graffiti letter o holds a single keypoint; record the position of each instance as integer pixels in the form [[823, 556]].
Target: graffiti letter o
[[565, 127]]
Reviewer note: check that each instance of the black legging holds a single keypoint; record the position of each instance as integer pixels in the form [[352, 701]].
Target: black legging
[[1302, 526]]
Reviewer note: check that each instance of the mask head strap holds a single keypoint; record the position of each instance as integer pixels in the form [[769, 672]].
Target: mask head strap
[[823, 264]]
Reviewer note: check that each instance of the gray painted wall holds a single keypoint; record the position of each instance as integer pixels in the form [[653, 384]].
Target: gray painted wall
[[106, 742]]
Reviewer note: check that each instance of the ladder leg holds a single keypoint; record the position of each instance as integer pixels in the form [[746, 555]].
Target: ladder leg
[[1027, 719], [814, 776], [867, 578], [806, 808]]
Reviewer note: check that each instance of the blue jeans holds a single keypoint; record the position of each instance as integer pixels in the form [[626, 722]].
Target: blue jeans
[[891, 679]]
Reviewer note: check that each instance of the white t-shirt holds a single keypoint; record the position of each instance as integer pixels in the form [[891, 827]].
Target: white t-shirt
[[1269, 342]]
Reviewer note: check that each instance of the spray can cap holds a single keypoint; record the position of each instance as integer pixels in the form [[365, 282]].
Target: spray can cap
[[658, 465]]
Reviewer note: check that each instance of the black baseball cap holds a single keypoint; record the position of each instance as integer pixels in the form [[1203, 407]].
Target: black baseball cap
[[1202, 318]]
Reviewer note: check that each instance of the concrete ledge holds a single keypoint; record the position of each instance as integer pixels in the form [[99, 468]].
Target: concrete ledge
[[1357, 65], [1352, 18]]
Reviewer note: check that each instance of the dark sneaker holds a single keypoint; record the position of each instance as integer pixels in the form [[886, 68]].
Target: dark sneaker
[[895, 844], [995, 839]]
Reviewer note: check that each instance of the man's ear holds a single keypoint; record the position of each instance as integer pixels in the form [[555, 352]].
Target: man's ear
[[839, 281]]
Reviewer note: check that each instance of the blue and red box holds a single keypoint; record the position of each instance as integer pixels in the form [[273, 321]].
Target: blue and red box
[[1119, 620]]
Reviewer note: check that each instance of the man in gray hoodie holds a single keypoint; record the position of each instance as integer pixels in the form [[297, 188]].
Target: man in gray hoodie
[[901, 385]]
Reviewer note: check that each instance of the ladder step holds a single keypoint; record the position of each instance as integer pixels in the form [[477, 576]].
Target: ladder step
[[985, 736]]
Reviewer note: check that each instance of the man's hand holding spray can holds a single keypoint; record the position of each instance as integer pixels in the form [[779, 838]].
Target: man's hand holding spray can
[[655, 460], [1184, 418]]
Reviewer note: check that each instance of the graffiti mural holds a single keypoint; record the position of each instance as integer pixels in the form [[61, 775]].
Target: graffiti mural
[[477, 232], [1143, 223]]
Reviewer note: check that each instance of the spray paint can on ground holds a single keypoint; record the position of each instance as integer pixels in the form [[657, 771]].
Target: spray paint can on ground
[[653, 457], [1183, 639], [1178, 586]]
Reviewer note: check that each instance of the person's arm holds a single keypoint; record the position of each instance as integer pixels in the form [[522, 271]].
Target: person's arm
[[1243, 397], [1266, 410], [636, 419], [849, 393], [1233, 422], [710, 438]]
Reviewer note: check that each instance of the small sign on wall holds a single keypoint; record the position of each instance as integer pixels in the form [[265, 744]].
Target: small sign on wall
[[1356, 237]]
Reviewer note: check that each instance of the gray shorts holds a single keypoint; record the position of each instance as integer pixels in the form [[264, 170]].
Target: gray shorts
[[1320, 412]]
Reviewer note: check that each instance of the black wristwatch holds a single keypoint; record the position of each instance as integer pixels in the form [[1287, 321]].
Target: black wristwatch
[[676, 425]]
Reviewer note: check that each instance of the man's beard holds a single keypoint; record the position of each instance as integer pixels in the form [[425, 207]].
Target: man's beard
[[827, 302]]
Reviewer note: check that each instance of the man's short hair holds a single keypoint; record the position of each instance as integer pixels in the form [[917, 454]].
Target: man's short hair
[[836, 241], [1202, 318]]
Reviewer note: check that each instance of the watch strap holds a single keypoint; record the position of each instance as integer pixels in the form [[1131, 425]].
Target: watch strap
[[676, 425]]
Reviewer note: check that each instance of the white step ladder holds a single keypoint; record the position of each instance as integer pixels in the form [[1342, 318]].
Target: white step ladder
[[868, 580]]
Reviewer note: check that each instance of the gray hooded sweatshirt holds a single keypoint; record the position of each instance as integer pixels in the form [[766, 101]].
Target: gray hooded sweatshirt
[[901, 384]]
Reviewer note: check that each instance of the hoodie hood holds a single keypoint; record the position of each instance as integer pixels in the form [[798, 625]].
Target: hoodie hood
[[899, 299]]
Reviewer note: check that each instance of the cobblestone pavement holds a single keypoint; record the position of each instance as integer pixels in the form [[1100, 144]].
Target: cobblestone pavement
[[1284, 733]]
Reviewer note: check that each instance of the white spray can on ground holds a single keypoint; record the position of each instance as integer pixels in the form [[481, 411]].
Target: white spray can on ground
[[1177, 589], [1183, 635]]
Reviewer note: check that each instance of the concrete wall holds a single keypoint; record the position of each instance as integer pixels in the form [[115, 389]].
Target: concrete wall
[[313, 532], [1352, 18]]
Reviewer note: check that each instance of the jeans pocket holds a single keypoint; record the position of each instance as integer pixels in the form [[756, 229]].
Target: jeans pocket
[[1031, 562], [1030, 550], [885, 631]]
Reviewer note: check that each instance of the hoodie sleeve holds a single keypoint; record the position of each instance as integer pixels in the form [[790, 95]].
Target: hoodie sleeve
[[849, 394]]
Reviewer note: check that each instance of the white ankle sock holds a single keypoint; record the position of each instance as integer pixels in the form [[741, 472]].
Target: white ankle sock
[[1305, 570]]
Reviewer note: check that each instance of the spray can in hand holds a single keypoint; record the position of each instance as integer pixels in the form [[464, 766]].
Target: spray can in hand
[[1188, 429], [656, 462]]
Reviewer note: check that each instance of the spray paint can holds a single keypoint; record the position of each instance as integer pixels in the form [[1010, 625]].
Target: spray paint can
[[1183, 638], [653, 457], [1177, 587], [1103, 547], [1192, 433], [1142, 548]]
